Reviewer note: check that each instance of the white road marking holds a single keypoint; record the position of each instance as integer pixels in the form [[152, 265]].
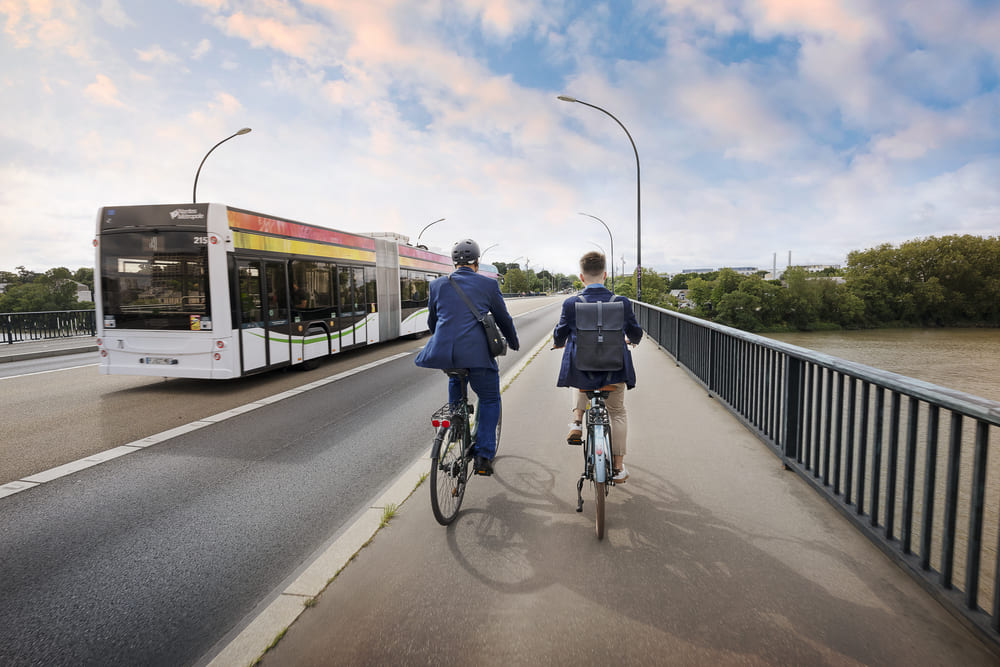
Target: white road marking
[[34, 480], [54, 370], [261, 631]]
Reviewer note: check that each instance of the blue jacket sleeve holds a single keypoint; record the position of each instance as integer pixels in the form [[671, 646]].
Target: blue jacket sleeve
[[632, 328], [567, 321]]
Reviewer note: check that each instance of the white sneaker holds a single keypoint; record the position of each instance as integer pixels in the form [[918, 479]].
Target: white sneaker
[[620, 476]]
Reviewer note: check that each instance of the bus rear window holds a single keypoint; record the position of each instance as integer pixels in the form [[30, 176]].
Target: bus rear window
[[155, 280]]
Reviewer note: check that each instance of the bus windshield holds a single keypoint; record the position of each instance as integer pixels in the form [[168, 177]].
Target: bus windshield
[[155, 280]]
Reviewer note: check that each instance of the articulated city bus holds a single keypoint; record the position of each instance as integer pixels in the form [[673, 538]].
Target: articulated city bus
[[212, 291]]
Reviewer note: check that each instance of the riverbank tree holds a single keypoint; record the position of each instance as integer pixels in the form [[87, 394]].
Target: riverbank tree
[[946, 281], [27, 291]]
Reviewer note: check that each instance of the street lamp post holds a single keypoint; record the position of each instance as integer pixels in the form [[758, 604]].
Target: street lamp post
[[612, 249], [487, 248], [194, 191], [425, 229], [638, 199]]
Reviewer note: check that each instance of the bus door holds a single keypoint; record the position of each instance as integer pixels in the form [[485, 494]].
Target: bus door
[[261, 309], [360, 307], [351, 308], [371, 305], [279, 342]]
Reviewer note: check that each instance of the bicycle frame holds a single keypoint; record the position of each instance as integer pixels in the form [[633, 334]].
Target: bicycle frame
[[597, 450]]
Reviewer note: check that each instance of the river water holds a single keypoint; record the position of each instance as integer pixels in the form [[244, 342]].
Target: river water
[[963, 359]]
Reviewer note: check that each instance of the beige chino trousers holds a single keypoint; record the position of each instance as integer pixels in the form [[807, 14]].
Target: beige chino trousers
[[615, 403]]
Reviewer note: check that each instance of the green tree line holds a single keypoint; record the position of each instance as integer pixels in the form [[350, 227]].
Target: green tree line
[[27, 291], [946, 281], [517, 280]]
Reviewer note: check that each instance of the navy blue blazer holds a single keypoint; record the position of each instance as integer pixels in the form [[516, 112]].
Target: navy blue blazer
[[565, 334], [458, 339]]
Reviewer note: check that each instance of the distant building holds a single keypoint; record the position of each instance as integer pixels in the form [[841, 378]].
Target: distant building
[[82, 292], [815, 268], [744, 270], [681, 296], [696, 270]]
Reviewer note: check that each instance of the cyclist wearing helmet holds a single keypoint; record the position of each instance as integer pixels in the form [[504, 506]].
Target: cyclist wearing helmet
[[459, 341]]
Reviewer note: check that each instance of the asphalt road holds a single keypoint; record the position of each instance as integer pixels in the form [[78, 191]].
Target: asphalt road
[[152, 558]]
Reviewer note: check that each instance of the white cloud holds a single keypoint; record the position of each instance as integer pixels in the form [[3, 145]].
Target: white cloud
[[103, 91], [112, 12], [157, 55], [202, 48]]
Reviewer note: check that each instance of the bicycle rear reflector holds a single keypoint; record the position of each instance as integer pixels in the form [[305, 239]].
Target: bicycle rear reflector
[[440, 422]]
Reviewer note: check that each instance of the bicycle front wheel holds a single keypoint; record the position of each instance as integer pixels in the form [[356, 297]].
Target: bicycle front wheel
[[449, 473]]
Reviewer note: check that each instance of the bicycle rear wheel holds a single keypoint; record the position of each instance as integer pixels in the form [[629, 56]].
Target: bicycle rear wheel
[[499, 424], [449, 473], [599, 493]]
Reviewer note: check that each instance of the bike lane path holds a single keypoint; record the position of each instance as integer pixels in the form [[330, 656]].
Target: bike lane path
[[713, 555]]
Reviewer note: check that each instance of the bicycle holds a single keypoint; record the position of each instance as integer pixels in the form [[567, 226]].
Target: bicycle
[[597, 455], [451, 453]]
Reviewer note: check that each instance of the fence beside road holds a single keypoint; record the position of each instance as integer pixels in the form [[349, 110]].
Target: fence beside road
[[19, 327]]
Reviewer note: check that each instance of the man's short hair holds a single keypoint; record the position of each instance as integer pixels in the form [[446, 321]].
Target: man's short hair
[[593, 263]]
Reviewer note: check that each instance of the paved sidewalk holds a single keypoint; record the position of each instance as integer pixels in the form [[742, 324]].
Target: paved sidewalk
[[714, 555], [49, 347]]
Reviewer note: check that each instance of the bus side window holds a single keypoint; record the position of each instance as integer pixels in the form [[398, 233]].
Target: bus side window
[[318, 286], [345, 291], [404, 289], [419, 290]]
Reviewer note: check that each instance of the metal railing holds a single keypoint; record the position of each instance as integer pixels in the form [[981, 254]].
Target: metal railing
[[19, 327], [873, 443]]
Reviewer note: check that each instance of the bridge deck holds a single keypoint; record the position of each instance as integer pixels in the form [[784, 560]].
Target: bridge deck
[[714, 555]]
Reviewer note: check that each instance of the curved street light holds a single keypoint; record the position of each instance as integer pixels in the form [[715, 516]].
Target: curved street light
[[425, 228], [194, 191], [638, 200], [612, 249], [487, 248]]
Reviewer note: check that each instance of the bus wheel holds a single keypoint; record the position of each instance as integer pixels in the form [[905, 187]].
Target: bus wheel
[[312, 364]]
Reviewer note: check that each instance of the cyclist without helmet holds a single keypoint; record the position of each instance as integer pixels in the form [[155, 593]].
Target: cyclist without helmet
[[593, 273], [459, 341]]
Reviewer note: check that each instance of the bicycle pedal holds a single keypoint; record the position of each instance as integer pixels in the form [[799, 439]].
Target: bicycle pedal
[[574, 440]]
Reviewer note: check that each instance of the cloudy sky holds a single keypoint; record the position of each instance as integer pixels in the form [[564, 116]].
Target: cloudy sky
[[763, 127]]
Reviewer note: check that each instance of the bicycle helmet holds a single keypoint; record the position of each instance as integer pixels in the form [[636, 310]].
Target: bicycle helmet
[[465, 251]]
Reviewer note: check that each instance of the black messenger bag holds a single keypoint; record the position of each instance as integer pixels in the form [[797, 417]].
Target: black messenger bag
[[495, 340]]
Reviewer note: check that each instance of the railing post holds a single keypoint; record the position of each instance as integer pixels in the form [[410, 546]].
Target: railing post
[[793, 408]]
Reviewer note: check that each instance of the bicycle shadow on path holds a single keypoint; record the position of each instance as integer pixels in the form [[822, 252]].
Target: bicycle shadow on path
[[713, 555]]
